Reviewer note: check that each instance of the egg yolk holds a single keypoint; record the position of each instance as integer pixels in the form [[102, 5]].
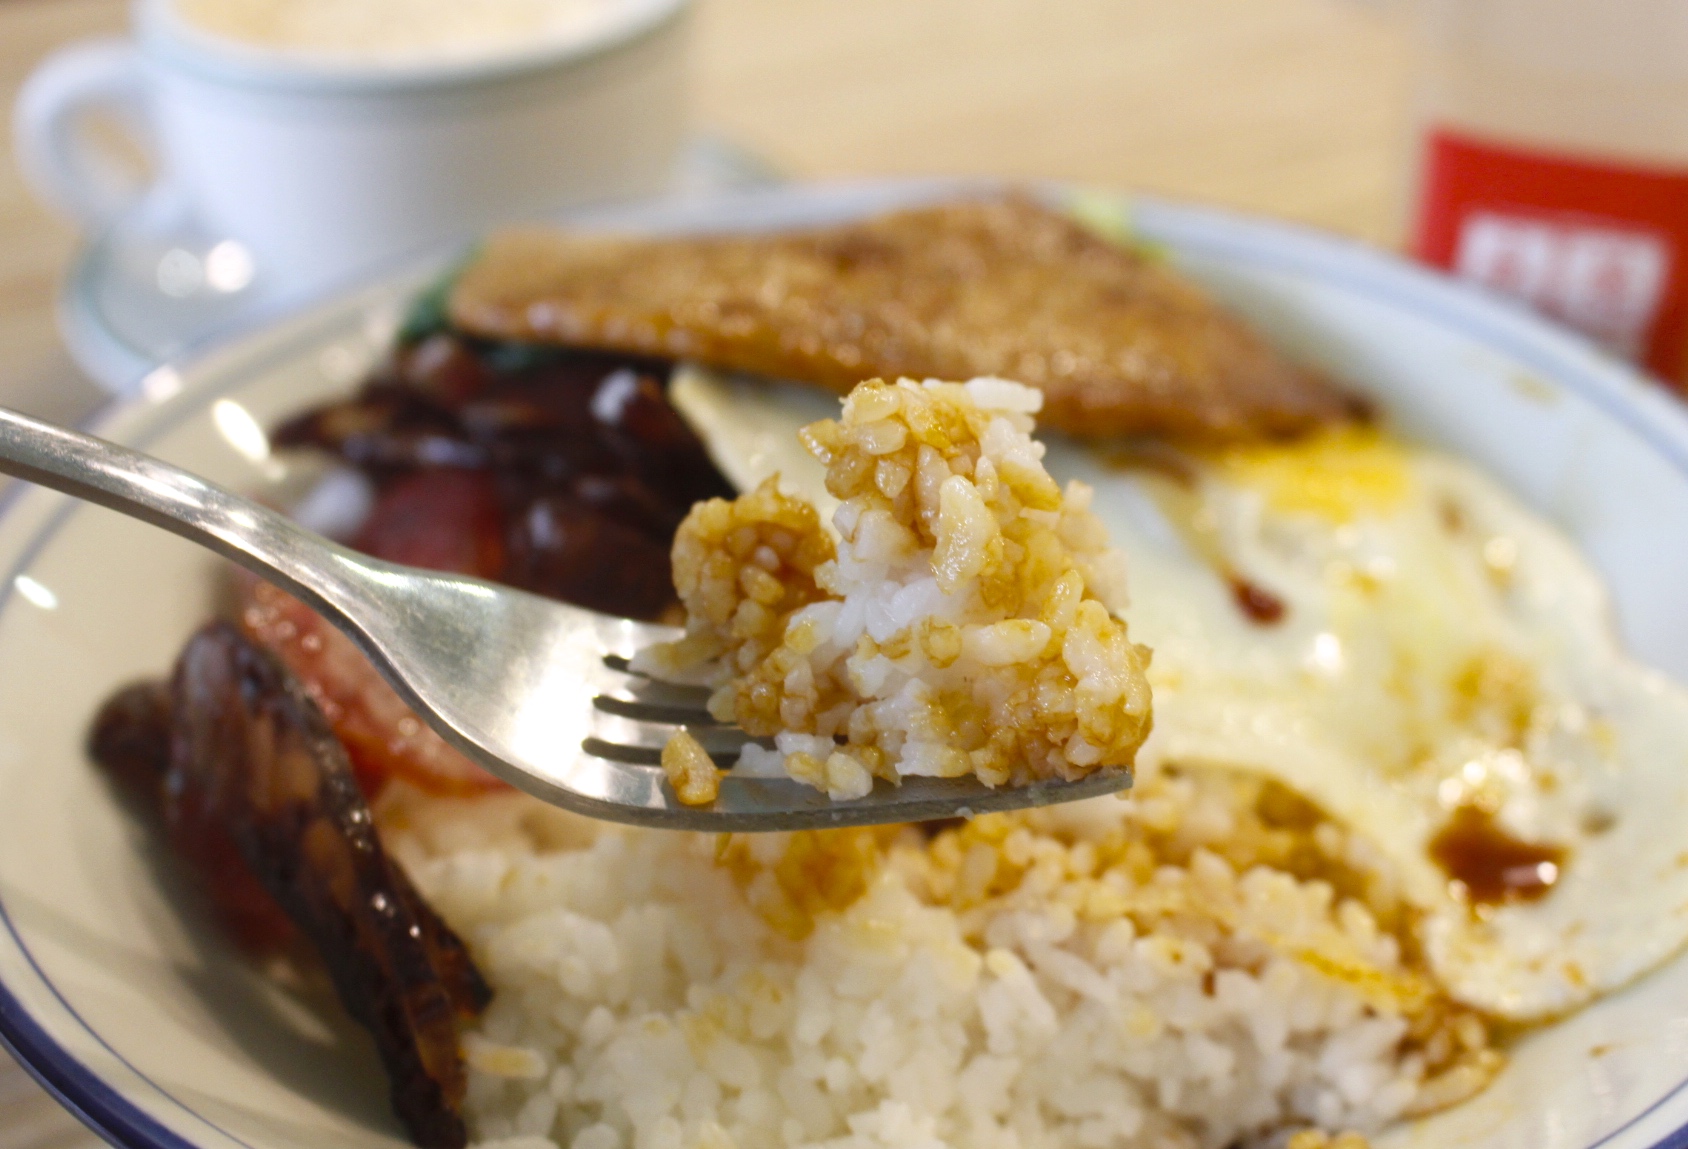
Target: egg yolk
[[1338, 474]]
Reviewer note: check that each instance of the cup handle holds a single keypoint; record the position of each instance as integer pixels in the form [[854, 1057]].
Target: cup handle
[[68, 171]]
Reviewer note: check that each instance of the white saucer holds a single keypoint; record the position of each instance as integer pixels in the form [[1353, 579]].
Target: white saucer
[[158, 283]]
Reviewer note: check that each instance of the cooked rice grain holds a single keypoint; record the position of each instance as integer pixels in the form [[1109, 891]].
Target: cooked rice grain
[[689, 770]]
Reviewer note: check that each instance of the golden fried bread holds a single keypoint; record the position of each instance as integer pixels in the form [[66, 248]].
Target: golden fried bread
[[1118, 343]]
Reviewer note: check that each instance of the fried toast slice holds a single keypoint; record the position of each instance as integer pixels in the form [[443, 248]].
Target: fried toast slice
[[1119, 343]]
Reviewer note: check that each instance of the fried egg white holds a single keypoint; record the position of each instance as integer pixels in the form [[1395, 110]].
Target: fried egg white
[[1388, 632]]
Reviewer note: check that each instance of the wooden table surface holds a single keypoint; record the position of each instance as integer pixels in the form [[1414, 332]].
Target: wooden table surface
[[1294, 108]]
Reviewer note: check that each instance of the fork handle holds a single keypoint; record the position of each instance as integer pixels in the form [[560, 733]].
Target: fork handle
[[143, 487]]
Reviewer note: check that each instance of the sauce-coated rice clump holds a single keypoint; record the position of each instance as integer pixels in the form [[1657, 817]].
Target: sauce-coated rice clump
[[966, 621]]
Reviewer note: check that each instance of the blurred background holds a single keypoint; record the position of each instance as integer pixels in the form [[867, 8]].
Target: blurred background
[[1292, 108]]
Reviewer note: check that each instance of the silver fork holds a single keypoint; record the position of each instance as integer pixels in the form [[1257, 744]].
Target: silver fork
[[536, 691]]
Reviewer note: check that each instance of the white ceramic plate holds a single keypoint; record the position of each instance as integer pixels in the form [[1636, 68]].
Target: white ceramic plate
[[144, 1022]]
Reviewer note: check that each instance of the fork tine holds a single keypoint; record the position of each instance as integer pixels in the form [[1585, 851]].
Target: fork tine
[[627, 693], [640, 680], [654, 690], [615, 730], [622, 638], [695, 718], [645, 755]]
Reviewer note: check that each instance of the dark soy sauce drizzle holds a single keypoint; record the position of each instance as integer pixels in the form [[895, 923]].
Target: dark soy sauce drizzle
[[1259, 604], [1490, 865]]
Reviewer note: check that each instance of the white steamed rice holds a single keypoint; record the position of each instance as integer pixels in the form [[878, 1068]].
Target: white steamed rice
[[1151, 972]]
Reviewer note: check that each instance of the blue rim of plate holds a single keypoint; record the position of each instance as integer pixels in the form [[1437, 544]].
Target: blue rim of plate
[[1612, 387], [79, 1089]]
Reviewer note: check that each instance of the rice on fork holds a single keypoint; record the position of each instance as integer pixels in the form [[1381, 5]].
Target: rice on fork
[[965, 622]]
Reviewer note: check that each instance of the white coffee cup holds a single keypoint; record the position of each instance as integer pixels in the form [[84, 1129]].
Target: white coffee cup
[[321, 165]]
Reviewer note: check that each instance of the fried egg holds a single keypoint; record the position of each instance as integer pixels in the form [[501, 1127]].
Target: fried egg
[[1387, 631]]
